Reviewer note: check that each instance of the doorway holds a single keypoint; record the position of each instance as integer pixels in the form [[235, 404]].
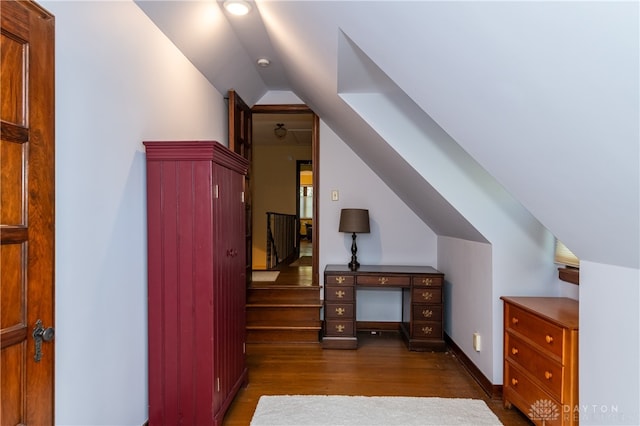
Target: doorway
[[305, 194], [285, 144]]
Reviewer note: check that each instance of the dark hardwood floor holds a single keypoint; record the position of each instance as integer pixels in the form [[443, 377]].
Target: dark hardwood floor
[[381, 366], [294, 275]]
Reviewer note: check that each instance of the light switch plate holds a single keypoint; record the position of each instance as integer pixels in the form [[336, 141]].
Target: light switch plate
[[334, 195]]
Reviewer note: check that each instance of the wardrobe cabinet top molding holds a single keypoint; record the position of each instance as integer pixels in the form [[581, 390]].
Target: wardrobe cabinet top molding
[[195, 150]]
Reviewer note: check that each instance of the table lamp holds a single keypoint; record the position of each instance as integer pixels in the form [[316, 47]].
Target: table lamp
[[354, 221]]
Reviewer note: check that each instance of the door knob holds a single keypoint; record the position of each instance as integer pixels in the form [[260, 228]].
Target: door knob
[[41, 334]]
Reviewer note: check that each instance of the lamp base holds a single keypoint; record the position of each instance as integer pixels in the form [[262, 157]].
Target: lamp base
[[353, 265]]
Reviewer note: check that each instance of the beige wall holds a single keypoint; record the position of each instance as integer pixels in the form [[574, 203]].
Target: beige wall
[[274, 189]]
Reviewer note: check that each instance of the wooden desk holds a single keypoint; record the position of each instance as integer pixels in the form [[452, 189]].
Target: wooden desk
[[422, 311]]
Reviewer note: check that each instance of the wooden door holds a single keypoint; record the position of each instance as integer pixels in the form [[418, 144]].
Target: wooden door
[[240, 142], [229, 287], [26, 212]]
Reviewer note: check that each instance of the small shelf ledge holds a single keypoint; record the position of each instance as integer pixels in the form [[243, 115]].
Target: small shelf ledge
[[570, 275]]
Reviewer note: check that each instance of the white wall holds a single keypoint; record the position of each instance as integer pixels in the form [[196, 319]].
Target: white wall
[[467, 301], [398, 236], [119, 81], [609, 345]]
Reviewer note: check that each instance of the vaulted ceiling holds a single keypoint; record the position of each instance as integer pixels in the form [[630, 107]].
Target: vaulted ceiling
[[543, 96]]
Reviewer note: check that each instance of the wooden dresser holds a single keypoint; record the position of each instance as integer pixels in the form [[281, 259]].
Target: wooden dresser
[[421, 325], [541, 358]]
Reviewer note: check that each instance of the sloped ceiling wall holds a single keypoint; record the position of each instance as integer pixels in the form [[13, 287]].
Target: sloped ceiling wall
[[543, 95]]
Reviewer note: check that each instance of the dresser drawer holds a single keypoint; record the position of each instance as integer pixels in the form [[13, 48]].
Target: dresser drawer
[[546, 372], [427, 312], [426, 295], [337, 293], [547, 336], [426, 330], [338, 311], [383, 280], [339, 279], [426, 281], [518, 389], [338, 328]]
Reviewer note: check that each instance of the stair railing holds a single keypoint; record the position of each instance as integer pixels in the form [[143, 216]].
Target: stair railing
[[281, 238]]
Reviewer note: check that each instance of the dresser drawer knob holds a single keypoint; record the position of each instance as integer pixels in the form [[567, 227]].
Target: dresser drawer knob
[[340, 280], [514, 351], [383, 280], [427, 330], [427, 295], [548, 338], [340, 328], [339, 294], [427, 281], [427, 313], [514, 382], [548, 375], [514, 320], [340, 311]]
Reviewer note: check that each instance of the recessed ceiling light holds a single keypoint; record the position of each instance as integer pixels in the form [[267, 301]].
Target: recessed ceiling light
[[237, 7]]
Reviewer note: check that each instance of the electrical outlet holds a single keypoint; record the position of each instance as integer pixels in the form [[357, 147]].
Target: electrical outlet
[[334, 195], [476, 342]]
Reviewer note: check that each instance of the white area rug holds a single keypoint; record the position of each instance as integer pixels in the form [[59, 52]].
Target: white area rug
[[321, 410], [264, 275]]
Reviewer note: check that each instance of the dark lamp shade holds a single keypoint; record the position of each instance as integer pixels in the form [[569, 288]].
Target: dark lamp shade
[[354, 220]]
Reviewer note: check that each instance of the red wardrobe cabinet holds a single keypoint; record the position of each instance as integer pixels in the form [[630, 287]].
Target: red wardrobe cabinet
[[196, 281]]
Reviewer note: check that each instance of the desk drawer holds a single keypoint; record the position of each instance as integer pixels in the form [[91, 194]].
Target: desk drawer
[[426, 330], [547, 336], [426, 295], [339, 279], [427, 312], [338, 328], [339, 311], [426, 281], [337, 293], [547, 372], [384, 280]]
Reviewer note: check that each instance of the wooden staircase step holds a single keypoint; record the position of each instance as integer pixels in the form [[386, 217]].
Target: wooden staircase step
[[261, 313], [283, 294], [284, 324], [283, 334]]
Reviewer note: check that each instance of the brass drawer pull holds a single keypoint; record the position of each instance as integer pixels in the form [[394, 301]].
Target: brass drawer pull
[[383, 280], [339, 294], [514, 320], [548, 338], [427, 281], [427, 313], [514, 351], [340, 279], [427, 330], [340, 311], [340, 328], [548, 375], [427, 295], [514, 382]]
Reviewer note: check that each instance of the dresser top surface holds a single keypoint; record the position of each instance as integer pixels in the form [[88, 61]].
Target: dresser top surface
[[382, 269], [560, 310]]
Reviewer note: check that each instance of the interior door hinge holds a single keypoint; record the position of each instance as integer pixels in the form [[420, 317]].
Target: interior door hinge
[[215, 191], [242, 196]]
